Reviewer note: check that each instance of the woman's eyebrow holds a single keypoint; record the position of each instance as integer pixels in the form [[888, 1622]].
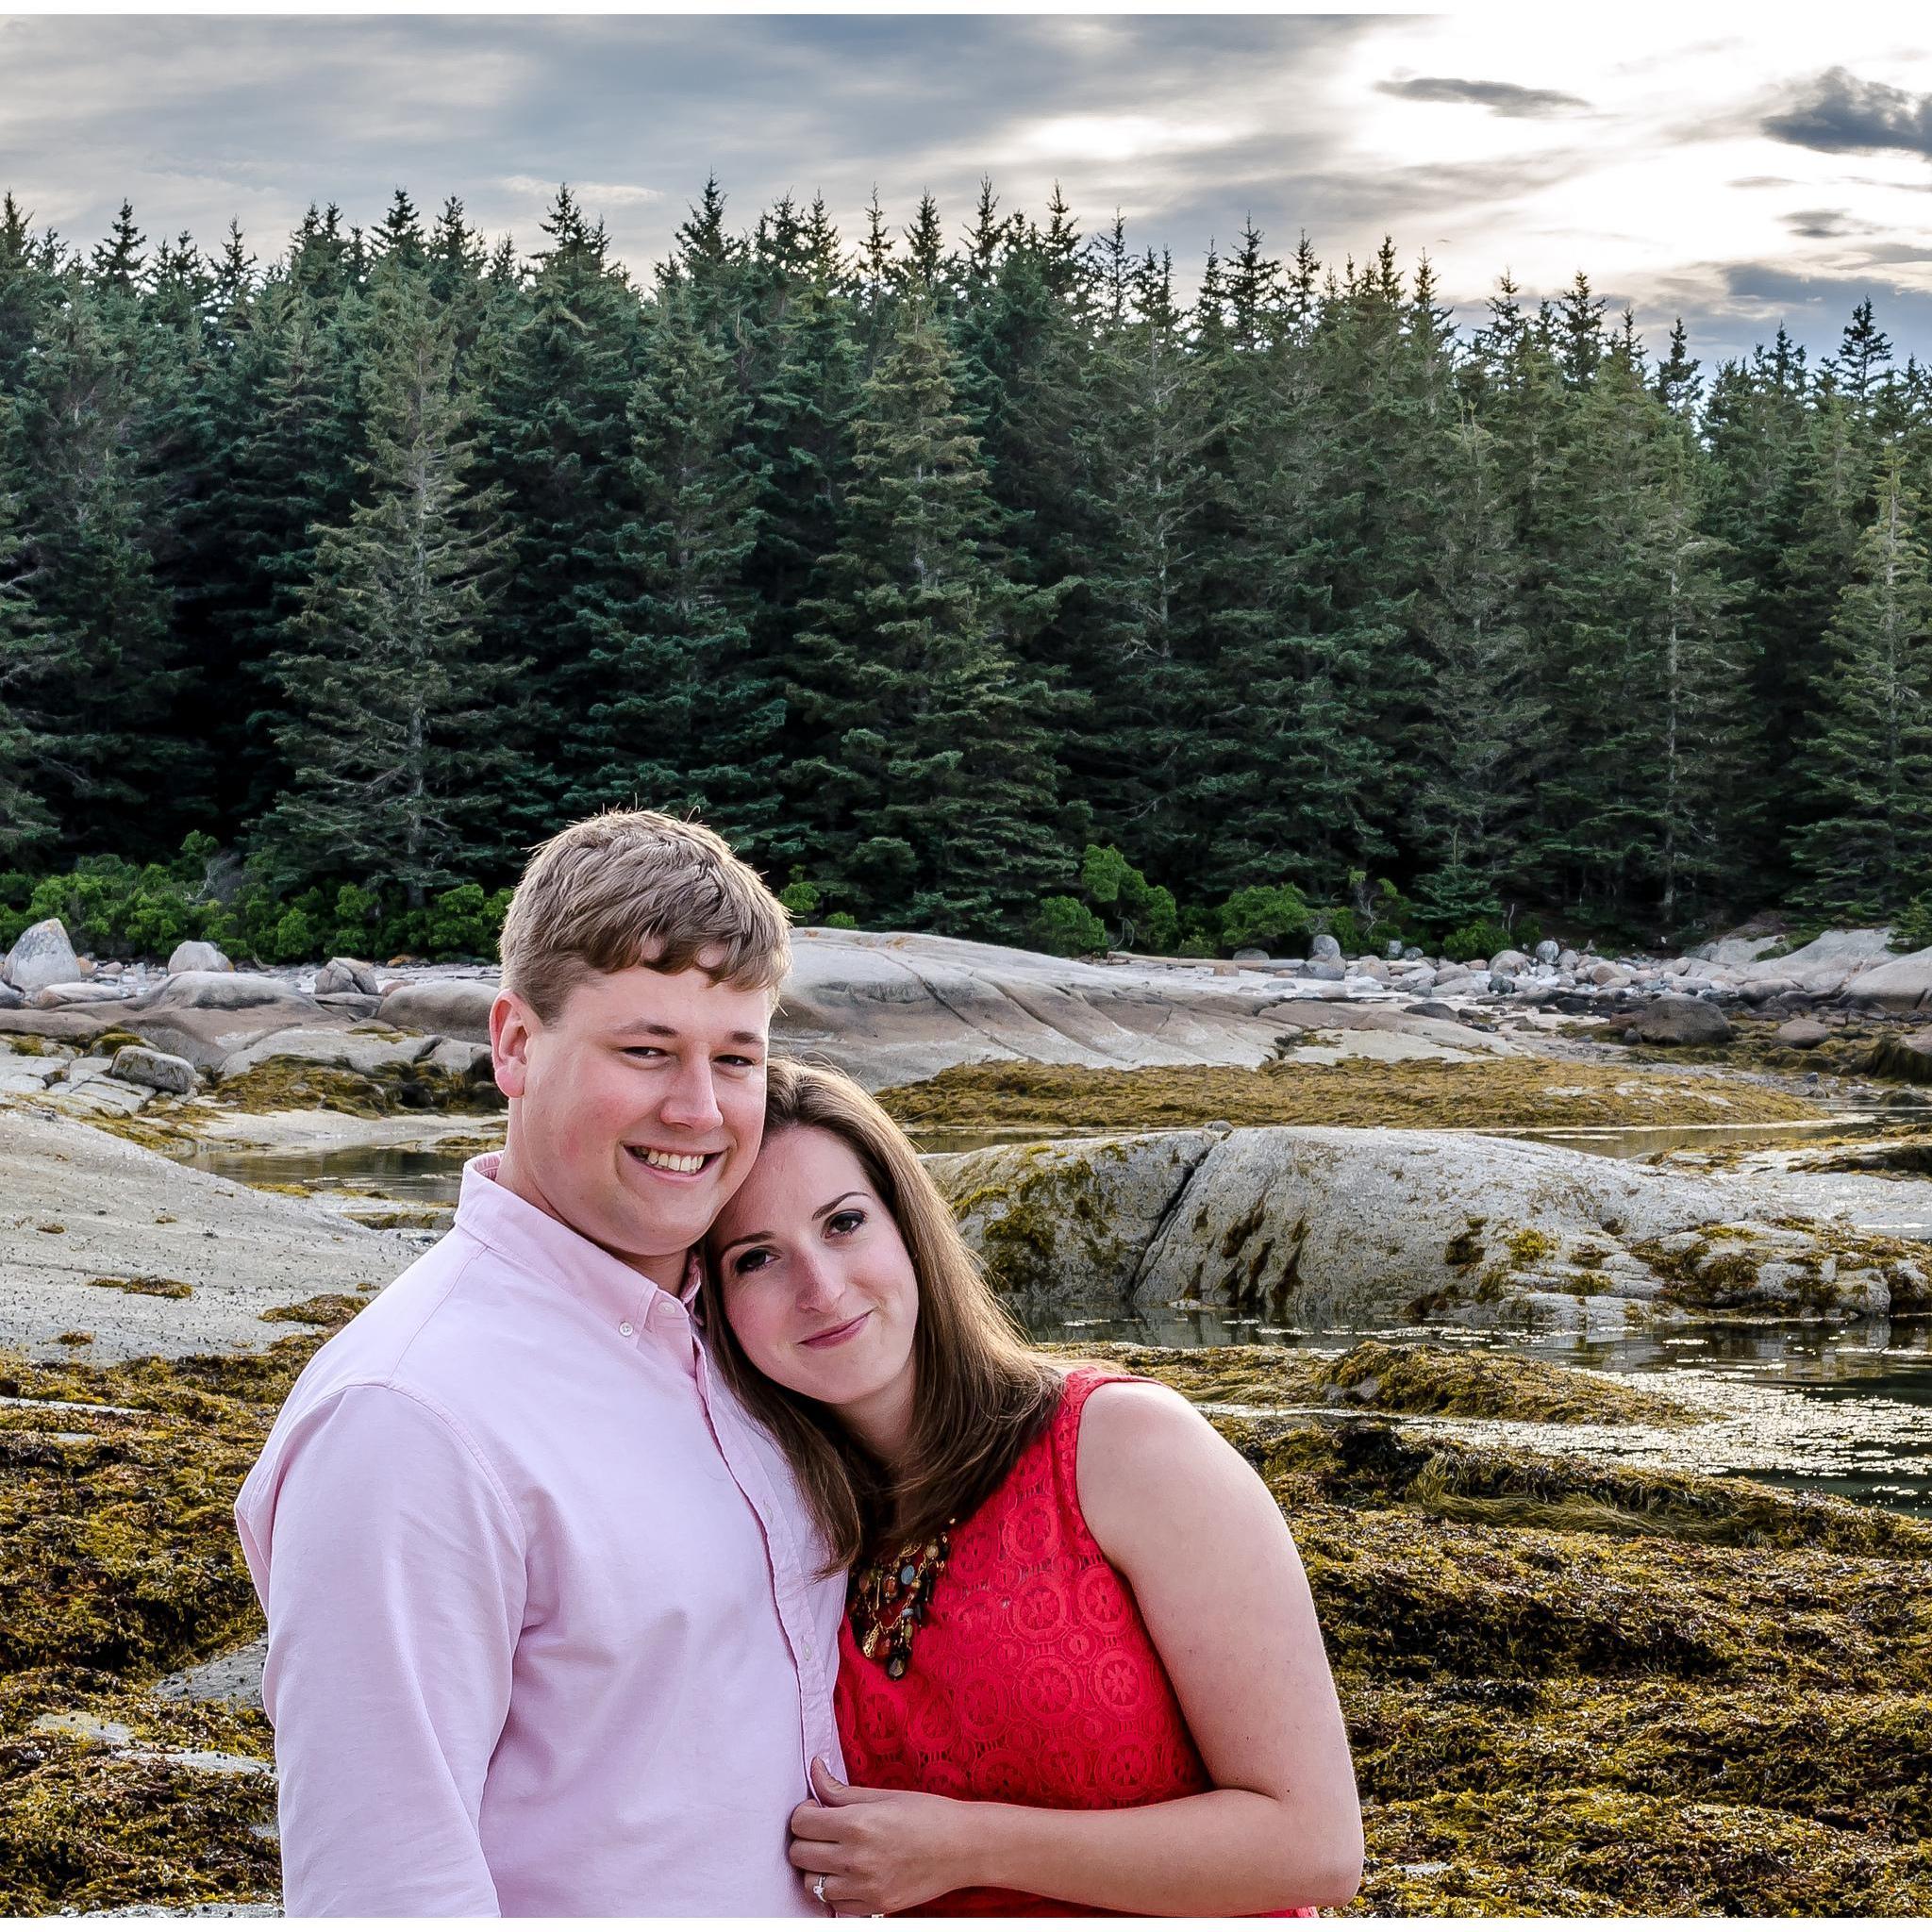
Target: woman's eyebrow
[[764, 1234]]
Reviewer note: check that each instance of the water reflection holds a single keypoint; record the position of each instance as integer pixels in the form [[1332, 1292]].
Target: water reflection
[[1845, 1410], [414, 1174]]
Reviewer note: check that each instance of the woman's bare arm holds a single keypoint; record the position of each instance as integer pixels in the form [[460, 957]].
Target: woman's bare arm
[[1215, 1574]]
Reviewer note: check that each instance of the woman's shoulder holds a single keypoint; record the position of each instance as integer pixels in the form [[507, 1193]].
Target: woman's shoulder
[[1143, 1449]]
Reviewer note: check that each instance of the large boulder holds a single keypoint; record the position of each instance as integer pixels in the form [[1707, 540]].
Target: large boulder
[[220, 991], [204, 1017], [1677, 1020], [889, 1008], [1332, 1226], [43, 956], [459, 1008], [1052, 1219], [1831, 960], [1803, 1033], [164, 1072], [78, 992], [347, 975], [199, 955], [1903, 1057], [1902, 985], [1325, 946]]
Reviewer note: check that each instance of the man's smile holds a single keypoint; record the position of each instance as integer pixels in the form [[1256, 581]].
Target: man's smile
[[667, 1160]]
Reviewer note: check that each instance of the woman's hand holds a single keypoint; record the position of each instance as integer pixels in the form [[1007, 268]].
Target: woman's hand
[[880, 1850]]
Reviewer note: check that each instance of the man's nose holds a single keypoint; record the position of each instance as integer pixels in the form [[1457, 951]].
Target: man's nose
[[693, 1101]]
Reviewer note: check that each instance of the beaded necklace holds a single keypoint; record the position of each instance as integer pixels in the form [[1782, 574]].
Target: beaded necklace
[[890, 1596]]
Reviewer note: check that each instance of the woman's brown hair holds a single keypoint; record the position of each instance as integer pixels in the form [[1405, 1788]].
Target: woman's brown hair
[[980, 1394]]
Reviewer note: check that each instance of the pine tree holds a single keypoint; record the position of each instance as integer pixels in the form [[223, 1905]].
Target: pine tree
[[931, 784], [687, 722], [1869, 848], [1481, 741], [1639, 669], [26, 647], [89, 512], [1142, 428], [554, 437], [396, 777]]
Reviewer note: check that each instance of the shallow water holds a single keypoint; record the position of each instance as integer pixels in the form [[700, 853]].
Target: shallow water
[[1845, 1410]]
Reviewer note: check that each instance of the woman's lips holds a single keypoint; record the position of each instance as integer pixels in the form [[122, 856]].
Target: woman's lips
[[833, 1336]]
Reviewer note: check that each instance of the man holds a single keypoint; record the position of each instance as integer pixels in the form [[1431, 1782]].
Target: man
[[546, 1629]]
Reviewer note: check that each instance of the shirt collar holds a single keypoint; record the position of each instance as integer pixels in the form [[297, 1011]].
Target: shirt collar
[[487, 1211]]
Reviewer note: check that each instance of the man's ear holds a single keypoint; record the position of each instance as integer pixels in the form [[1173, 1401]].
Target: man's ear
[[512, 1027]]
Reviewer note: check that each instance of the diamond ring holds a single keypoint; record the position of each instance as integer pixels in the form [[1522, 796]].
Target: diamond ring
[[818, 1888]]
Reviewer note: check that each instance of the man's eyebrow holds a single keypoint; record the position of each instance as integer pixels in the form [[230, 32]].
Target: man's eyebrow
[[818, 1214], [658, 1030]]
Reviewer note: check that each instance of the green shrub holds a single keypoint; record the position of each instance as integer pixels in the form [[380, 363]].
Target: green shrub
[[1526, 935], [800, 898], [1148, 916], [843, 921], [112, 909], [1065, 926], [1911, 931], [354, 932], [1480, 939], [1265, 916]]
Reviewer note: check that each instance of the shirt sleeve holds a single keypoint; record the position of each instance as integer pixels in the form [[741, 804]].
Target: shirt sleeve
[[391, 1564]]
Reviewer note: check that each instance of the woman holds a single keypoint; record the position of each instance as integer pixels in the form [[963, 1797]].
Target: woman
[[1081, 1670]]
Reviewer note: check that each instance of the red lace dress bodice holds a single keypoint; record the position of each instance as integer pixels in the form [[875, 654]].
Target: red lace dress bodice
[[1033, 1680]]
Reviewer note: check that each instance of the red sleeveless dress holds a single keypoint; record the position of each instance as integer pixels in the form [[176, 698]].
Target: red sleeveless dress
[[1033, 1680]]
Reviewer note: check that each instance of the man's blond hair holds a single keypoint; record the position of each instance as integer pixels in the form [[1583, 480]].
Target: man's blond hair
[[637, 888]]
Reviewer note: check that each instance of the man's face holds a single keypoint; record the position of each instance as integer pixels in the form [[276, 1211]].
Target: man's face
[[637, 1111]]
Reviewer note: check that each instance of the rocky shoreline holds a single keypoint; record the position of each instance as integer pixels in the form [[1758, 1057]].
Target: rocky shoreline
[[1575, 1684]]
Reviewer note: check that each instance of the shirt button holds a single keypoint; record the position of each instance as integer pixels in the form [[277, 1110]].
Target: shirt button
[[624, 1328]]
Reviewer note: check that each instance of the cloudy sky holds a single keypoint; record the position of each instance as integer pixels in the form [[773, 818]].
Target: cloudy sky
[[1722, 165]]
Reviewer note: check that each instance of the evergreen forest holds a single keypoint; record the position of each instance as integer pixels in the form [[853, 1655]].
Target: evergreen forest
[[965, 574]]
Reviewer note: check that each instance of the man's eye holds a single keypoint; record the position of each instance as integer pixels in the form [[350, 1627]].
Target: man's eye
[[750, 1261], [737, 1062], [656, 1053], [846, 1221]]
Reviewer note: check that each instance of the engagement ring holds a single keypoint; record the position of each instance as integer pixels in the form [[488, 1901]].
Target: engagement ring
[[818, 1888]]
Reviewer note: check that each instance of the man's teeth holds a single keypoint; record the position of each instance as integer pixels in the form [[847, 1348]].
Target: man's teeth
[[676, 1163]]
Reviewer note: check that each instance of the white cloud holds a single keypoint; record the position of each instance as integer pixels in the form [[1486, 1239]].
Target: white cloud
[[589, 195]]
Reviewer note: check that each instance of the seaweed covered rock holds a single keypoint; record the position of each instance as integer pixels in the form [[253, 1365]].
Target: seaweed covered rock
[[1397, 1378], [1460, 1090], [1330, 1226], [1060, 1223], [1675, 1021]]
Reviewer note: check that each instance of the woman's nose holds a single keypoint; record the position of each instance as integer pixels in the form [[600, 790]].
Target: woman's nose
[[814, 1284]]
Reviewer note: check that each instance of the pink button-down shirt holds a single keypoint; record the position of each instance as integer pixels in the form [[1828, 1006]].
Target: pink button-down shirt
[[545, 1629]]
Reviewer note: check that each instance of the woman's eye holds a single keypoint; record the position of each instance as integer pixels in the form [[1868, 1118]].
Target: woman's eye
[[750, 1261], [846, 1221]]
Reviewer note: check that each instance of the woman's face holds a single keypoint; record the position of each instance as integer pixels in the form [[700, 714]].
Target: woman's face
[[817, 1284]]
